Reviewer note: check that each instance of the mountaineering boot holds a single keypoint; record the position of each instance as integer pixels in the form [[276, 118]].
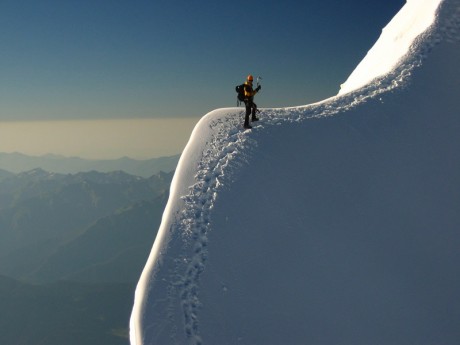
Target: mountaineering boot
[[254, 118], [247, 126]]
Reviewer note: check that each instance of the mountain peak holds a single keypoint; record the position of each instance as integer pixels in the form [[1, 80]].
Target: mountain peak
[[18, 162], [37, 173]]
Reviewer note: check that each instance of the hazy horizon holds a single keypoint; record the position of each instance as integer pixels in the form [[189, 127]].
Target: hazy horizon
[[98, 139]]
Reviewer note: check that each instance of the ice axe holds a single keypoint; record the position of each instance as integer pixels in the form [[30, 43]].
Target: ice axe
[[258, 78], [258, 84]]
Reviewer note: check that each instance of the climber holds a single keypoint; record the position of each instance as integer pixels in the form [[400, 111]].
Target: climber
[[251, 107]]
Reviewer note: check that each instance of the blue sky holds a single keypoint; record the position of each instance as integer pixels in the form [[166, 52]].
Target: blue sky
[[113, 59]]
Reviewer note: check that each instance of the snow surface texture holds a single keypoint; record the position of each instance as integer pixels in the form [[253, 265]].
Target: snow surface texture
[[320, 229]]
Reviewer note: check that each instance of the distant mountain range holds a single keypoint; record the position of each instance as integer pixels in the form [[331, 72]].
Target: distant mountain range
[[56, 226], [72, 247], [18, 162]]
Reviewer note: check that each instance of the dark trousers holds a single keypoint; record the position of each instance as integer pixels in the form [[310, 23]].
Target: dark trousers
[[251, 108]]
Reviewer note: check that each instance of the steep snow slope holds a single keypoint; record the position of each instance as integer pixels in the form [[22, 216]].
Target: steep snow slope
[[394, 43], [319, 229]]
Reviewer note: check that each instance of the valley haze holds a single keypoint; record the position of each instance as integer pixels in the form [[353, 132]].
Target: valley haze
[[72, 247]]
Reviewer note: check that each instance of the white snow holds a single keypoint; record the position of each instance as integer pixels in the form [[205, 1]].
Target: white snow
[[394, 43], [331, 223]]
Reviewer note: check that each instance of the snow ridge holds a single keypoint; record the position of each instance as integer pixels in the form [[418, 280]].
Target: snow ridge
[[229, 148]]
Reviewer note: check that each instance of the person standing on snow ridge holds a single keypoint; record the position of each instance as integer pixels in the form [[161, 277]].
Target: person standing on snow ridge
[[251, 107]]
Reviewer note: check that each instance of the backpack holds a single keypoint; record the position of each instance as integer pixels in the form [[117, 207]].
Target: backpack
[[240, 91]]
